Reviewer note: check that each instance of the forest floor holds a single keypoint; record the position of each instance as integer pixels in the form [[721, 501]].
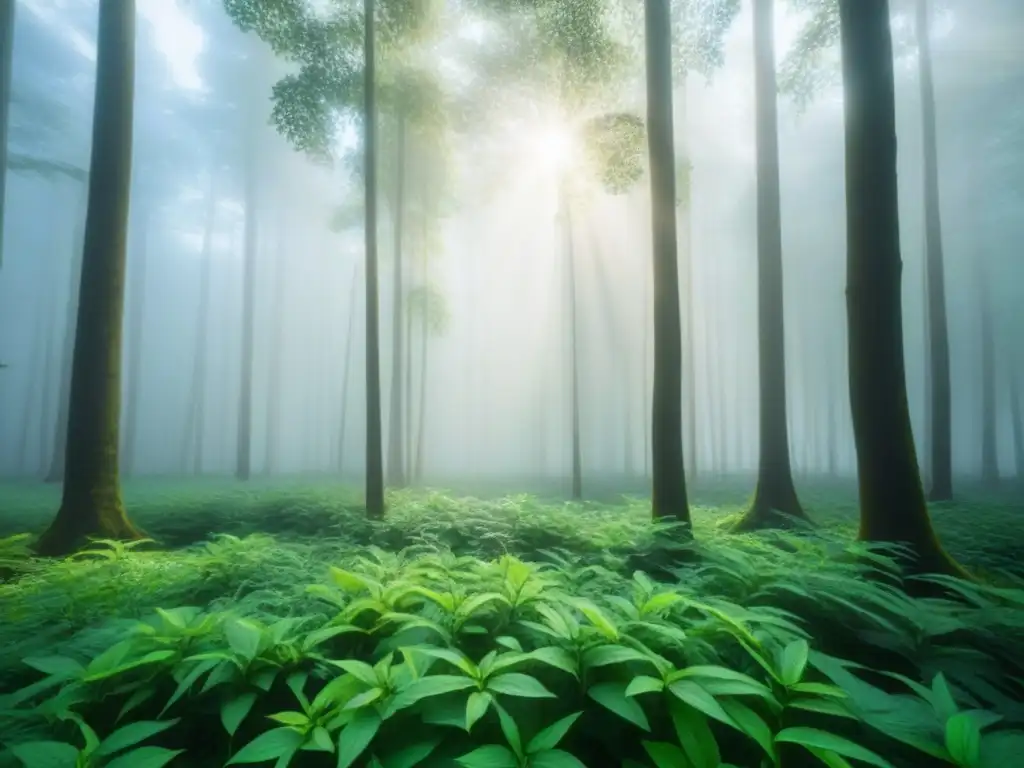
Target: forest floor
[[265, 550]]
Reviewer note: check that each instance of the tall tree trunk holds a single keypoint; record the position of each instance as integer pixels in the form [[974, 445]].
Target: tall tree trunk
[[396, 432], [41, 338], [645, 380], [422, 412], [55, 474], [91, 503], [276, 353], [1016, 423], [926, 465], [243, 445], [51, 379], [832, 415], [6, 60], [989, 440], [668, 498], [195, 421], [136, 323], [350, 334], [374, 457], [775, 492], [685, 213], [892, 502], [942, 423], [569, 246]]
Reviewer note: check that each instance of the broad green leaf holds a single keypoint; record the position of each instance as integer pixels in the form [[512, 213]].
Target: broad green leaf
[[269, 745], [597, 618], [555, 758], [132, 734], [942, 698], [360, 670], [348, 581], [476, 707], [411, 755], [818, 739], [659, 603], [320, 740], [243, 637], [963, 740], [695, 735], [144, 757], [365, 698], [644, 684], [428, 687], [516, 684], [510, 729], [61, 666], [234, 710], [697, 697], [752, 724], [548, 738], [45, 754], [833, 707], [293, 719], [606, 655], [356, 736], [507, 641], [556, 657], [666, 755], [793, 662], [613, 696], [491, 756]]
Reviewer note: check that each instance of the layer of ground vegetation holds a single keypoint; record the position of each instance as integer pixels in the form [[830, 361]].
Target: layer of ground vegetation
[[273, 624]]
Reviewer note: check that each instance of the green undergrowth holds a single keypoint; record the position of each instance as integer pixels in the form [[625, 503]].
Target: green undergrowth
[[273, 628]]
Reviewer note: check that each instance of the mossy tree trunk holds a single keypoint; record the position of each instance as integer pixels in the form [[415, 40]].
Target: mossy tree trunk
[[374, 437], [775, 499], [668, 497], [91, 504], [6, 60], [892, 500], [938, 332]]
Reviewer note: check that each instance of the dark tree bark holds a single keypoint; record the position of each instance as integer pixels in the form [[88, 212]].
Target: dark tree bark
[[645, 379], [396, 430], [243, 445], [6, 59], [668, 498], [195, 418], [347, 374], [55, 474], [569, 246], [926, 464], [892, 501], [374, 438], [775, 500], [91, 503], [938, 333], [136, 323], [989, 449]]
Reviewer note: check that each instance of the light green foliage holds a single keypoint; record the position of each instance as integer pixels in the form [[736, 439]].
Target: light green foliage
[[428, 304], [422, 655]]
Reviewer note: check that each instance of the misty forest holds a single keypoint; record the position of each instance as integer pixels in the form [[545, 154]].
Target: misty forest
[[511, 383]]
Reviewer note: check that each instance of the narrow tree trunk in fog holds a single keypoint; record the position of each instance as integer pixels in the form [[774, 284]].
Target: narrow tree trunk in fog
[[668, 498], [832, 415], [374, 457], [42, 344], [645, 381], [91, 503], [195, 416], [396, 432], [926, 464], [989, 449], [408, 438], [938, 333], [565, 220], [1016, 424], [243, 445], [136, 322], [775, 490], [422, 413], [350, 334], [687, 277], [892, 502], [51, 378], [6, 59], [276, 354], [55, 474]]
